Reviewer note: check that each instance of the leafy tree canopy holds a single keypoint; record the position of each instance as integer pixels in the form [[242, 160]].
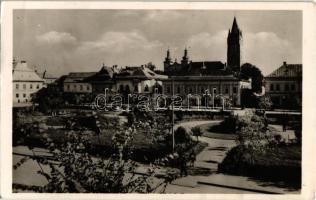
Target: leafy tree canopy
[[251, 71]]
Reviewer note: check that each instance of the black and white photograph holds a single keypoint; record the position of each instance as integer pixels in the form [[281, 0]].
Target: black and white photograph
[[163, 101]]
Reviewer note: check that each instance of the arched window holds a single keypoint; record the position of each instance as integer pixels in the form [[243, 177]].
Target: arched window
[[127, 89], [121, 88], [146, 88], [202, 90], [136, 88]]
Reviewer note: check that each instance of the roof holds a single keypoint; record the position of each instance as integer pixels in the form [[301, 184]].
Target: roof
[[104, 75], [204, 78], [78, 76], [21, 72], [287, 71], [139, 73], [202, 68]]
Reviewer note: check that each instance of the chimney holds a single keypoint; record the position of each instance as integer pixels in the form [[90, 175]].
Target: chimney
[[284, 63]]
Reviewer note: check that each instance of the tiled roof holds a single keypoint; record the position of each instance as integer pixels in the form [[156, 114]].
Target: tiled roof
[[78, 76], [206, 68], [21, 72], [105, 74], [287, 70], [139, 73]]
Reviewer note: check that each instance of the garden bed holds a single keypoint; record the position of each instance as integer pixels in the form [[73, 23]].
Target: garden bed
[[280, 163]]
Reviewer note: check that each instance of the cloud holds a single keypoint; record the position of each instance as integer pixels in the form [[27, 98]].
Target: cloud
[[163, 16], [54, 37], [118, 42], [204, 46], [263, 49], [267, 50]]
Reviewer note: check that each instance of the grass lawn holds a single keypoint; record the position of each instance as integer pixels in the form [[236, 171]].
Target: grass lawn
[[205, 128]]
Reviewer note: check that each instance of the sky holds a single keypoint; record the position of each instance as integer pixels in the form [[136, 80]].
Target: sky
[[63, 41]]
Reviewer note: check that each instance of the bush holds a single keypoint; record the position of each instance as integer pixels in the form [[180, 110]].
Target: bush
[[196, 131], [181, 135]]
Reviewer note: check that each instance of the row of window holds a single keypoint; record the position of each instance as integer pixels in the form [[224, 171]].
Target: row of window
[[80, 87], [127, 89], [287, 87], [17, 95], [17, 86], [203, 90]]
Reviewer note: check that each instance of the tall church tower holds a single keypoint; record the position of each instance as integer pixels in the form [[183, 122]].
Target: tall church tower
[[233, 47]]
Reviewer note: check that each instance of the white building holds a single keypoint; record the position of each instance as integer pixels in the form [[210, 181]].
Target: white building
[[138, 80], [26, 82]]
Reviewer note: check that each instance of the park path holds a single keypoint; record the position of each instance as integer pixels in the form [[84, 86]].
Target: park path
[[207, 160], [215, 182]]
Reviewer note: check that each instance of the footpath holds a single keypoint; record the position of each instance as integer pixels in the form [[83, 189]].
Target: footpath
[[213, 182]]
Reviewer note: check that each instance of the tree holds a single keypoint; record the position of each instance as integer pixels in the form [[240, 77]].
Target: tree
[[196, 131], [49, 99], [72, 169], [251, 71], [181, 135]]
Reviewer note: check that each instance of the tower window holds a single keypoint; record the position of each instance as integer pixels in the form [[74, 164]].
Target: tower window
[[271, 87], [17, 95], [81, 87], [286, 88], [31, 86], [17, 86], [226, 90], [277, 87], [24, 86], [24, 95], [37, 86]]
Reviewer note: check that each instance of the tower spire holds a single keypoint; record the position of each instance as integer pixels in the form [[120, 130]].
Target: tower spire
[[167, 61], [185, 58], [233, 47]]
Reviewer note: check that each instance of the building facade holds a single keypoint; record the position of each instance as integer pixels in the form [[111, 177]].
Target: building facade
[[219, 80], [101, 80], [26, 82], [284, 86], [138, 80], [75, 82]]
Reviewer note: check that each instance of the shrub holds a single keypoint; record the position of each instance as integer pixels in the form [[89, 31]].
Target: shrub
[[196, 131], [181, 135]]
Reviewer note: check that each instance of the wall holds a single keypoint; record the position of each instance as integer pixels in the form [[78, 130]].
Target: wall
[[25, 89]]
